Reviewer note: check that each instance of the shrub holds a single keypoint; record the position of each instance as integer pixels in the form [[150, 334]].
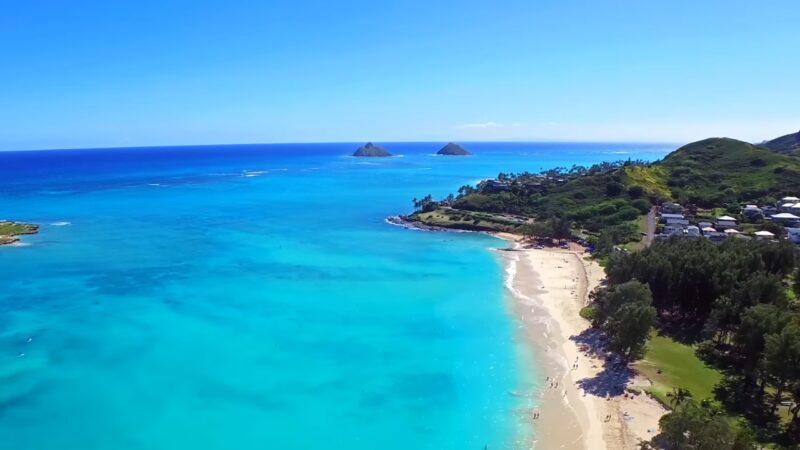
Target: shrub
[[635, 191]]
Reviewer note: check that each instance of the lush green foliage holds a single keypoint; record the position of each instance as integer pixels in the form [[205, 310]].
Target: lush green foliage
[[719, 171], [688, 276], [700, 427], [625, 313], [606, 200], [789, 143], [733, 295], [13, 228]]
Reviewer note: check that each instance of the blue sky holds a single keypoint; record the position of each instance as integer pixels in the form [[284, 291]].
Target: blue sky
[[105, 73]]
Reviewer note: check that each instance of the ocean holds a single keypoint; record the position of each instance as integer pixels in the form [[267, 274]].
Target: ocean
[[253, 297]]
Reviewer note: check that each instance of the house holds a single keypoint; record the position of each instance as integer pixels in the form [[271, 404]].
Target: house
[[787, 219], [673, 230], [786, 206], [693, 231], [764, 235], [671, 208], [769, 210], [667, 216], [708, 229], [496, 186], [682, 222], [533, 186], [793, 234], [752, 212], [790, 199], [705, 225], [726, 222]]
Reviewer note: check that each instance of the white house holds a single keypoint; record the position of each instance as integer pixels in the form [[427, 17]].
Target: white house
[[666, 217], [764, 235], [790, 200], [785, 218], [682, 222], [693, 231]]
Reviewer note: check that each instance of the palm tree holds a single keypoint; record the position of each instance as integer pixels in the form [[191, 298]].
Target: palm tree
[[678, 396]]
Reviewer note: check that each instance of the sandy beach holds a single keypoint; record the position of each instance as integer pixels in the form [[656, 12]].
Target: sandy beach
[[589, 401]]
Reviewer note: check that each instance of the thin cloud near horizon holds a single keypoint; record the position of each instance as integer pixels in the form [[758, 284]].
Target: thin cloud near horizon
[[485, 125]]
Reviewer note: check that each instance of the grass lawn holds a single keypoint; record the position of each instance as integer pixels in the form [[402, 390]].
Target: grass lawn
[[13, 228], [680, 367]]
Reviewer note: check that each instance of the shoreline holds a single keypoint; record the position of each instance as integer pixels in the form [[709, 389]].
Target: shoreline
[[10, 232], [548, 288]]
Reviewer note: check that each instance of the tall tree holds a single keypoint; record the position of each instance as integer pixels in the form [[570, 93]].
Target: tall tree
[[782, 359], [626, 314]]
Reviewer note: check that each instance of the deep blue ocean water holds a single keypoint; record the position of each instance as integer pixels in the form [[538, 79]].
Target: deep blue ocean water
[[252, 297]]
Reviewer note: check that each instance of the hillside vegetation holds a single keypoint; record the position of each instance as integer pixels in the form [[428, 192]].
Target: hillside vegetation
[[607, 200], [789, 143], [716, 171]]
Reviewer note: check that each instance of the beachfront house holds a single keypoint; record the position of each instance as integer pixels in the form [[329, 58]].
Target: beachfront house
[[786, 219]]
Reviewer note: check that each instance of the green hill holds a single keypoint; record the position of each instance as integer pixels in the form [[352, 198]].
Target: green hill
[[785, 144], [719, 171], [611, 198]]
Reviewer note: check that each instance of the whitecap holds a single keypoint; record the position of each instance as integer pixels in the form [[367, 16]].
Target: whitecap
[[253, 173], [61, 224]]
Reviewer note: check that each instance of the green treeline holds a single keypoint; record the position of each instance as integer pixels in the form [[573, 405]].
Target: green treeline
[[736, 300]]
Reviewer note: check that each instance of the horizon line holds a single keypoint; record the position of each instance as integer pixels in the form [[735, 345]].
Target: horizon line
[[501, 141]]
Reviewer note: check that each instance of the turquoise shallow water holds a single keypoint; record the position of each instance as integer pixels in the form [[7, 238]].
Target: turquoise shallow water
[[253, 297]]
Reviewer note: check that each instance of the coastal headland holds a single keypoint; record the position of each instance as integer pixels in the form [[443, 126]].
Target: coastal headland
[[10, 231]]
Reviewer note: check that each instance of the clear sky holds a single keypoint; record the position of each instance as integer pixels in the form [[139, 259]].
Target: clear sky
[[125, 73]]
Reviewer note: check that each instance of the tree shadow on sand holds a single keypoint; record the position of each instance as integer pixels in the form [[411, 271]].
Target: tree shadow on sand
[[616, 373]]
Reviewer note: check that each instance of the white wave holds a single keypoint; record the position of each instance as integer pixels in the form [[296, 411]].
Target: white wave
[[61, 224], [253, 173]]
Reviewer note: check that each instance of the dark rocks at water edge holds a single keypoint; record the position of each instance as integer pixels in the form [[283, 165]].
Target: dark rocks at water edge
[[371, 149], [453, 150]]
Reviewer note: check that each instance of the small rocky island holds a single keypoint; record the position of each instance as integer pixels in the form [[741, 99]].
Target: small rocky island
[[10, 230], [453, 150], [371, 149]]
